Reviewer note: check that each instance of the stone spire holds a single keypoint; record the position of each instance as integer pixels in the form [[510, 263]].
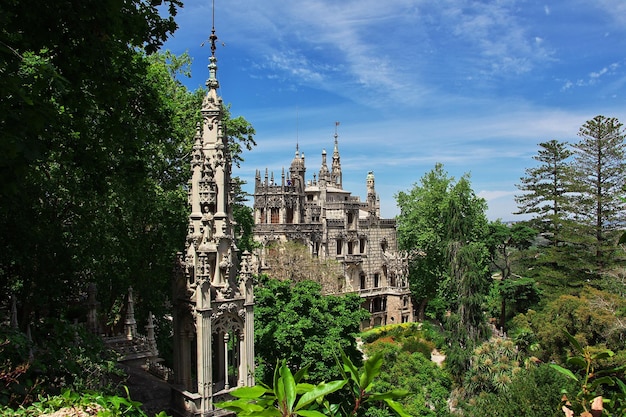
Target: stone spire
[[213, 309], [336, 176], [130, 324]]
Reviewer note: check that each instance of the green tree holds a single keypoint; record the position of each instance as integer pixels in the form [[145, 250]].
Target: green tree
[[112, 211], [547, 190], [505, 244], [80, 119], [600, 180], [297, 323], [593, 318], [65, 63], [421, 232], [467, 255], [444, 222], [428, 384]]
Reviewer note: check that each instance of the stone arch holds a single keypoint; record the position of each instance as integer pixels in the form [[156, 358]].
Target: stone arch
[[228, 351]]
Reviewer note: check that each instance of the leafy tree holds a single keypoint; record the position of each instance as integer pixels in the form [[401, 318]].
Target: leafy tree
[[445, 223], [504, 244], [593, 317], [467, 257], [547, 190], [63, 65], [428, 384], [421, 230], [600, 180], [297, 323], [81, 120]]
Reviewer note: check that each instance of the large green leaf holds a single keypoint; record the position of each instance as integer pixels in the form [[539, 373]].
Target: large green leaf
[[390, 395], [349, 367], [603, 355], [370, 371], [289, 385], [239, 406], [577, 361], [397, 407], [564, 371], [573, 341], [310, 413], [249, 392], [320, 391]]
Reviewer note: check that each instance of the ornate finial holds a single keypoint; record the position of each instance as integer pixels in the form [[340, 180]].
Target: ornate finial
[[212, 81], [213, 36], [336, 135]]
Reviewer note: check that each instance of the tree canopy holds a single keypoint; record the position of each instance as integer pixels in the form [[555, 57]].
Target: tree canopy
[[297, 323]]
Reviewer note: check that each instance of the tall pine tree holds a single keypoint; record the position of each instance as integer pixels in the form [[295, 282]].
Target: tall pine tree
[[547, 190], [599, 182]]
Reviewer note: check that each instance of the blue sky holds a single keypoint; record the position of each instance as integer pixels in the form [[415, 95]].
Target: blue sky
[[475, 85]]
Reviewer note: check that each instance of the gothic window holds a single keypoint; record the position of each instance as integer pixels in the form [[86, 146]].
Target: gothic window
[[289, 215], [339, 246], [362, 280], [362, 245], [262, 216], [376, 280], [350, 247], [350, 219], [275, 215]]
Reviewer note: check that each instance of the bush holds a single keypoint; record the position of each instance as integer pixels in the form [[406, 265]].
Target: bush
[[533, 392], [61, 356]]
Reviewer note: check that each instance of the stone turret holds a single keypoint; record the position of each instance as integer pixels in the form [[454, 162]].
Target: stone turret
[[213, 306], [335, 175]]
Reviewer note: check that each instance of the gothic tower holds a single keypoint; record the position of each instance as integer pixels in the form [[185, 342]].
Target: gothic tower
[[213, 305]]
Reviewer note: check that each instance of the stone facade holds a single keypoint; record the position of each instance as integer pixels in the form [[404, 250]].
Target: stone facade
[[213, 316], [333, 224]]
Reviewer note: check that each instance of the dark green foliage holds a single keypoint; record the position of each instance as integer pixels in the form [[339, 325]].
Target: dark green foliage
[[85, 401], [441, 223], [600, 181], [412, 370], [533, 392], [547, 190], [297, 323], [61, 356], [593, 318]]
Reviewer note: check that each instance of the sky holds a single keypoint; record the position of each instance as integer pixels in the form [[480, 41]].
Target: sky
[[474, 85]]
